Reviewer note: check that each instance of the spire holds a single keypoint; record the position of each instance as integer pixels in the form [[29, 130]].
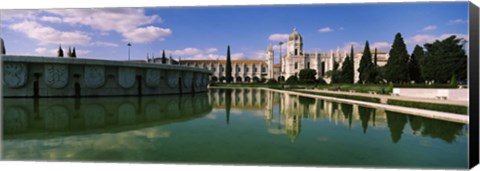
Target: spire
[[270, 48], [60, 51]]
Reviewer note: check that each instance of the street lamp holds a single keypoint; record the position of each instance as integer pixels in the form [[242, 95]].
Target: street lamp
[[129, 44]]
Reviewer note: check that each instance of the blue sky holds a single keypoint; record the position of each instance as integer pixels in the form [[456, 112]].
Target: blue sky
[[205, 32]]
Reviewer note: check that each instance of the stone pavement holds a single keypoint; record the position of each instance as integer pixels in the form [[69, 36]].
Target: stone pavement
[[384, 98]]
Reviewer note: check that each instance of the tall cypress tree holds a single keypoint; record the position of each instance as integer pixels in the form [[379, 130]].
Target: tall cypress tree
[[420, 56], [69, 53], [366, 67], [396, 69], [347, 71], [228, 69], [60, 51], [413, 65], [164, 58], [375, 58], [74, 54], [2, 50]]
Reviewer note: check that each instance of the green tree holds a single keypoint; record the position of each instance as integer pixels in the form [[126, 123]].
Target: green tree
[[444, 59], [164, 58], [69, 53], [366, 66], [307, 76], [413, 65], [346, 73], [2, 50], [292, 80], [228, 67], [396, 69], [74, 53], [60, 51], [420, 56]]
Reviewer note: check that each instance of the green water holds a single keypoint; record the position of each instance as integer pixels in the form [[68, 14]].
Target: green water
[[241, 126]]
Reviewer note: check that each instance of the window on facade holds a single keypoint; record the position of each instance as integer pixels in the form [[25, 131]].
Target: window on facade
[[246, 69], [296, 51], [296, 65], [308, 65], [263, 69], [214, 69]]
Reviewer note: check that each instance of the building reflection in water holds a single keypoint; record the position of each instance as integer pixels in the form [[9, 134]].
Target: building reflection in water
[[292, 109], [31, 116]]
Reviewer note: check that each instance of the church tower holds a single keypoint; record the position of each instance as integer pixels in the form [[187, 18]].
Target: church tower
[[270, 60], [295, 44]]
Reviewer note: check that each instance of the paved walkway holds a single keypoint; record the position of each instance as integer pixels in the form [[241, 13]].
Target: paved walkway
[[384, 98], [452, 117]]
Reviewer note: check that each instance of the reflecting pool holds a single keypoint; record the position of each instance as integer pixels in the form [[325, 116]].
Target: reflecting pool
[[227, 126]]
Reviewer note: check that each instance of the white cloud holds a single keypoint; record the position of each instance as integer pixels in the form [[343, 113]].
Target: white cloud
[[211, 50], [278, 37], [421, 39], [99, 43], [43, 51], [9, 15], [51, 19], [48, 35], [237, 56], [457, 21], [146, 34], [429, 28], [381, 46], [325, 30], [358, 47], [130, 22]]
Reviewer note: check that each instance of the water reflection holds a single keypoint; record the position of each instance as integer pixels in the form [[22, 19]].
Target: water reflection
[[293, 109], [22, 116]]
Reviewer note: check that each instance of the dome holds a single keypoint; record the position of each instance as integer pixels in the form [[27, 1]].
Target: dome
[[295, 35]]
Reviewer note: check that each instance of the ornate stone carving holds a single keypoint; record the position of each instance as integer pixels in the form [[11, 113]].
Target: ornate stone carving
[[56, 118], [187, 79], [14, 75], [198, 79], [152, 77], [172, 78], [94, 76], [56, 75], [126, 77]]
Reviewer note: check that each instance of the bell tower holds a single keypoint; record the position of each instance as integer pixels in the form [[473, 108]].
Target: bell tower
[[295, 43], [270, 60]]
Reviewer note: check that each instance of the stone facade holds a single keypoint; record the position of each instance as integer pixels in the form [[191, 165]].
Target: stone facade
[[33, 76], [242, 70]]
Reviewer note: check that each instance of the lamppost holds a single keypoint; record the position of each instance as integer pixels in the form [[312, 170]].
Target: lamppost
[[281, 67], [129, 44]]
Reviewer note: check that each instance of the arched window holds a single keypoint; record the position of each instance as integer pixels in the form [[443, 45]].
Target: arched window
[[296, 65]]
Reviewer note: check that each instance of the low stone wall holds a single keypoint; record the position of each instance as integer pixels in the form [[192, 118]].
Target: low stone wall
[[448, 94], [32, 76]]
